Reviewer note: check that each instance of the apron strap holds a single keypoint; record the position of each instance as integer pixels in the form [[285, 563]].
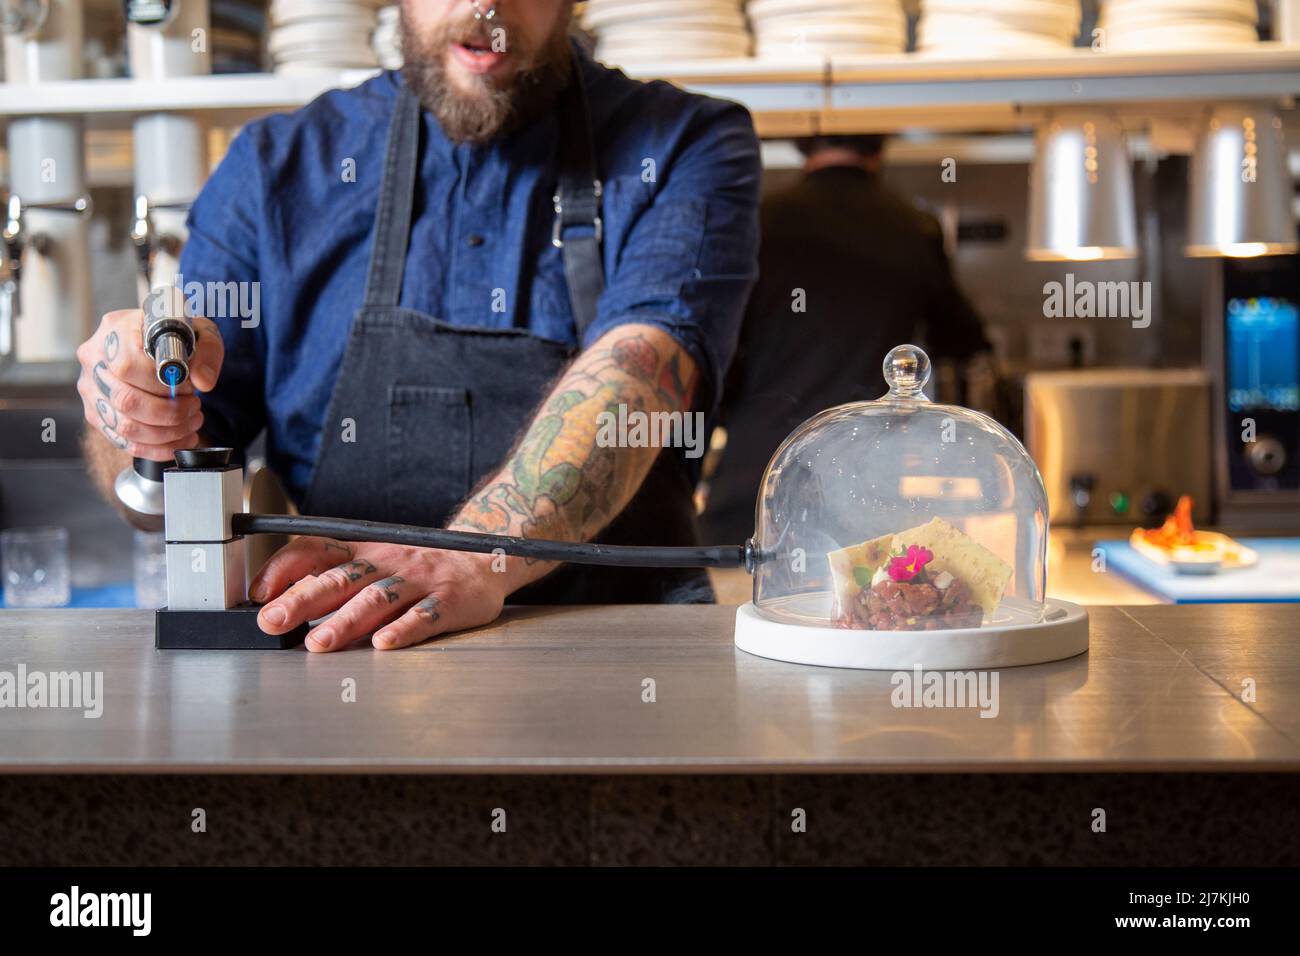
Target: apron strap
[[579, 229], [396, 197]]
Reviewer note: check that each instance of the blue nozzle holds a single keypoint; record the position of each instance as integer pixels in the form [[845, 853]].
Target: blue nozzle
[[172, 373]]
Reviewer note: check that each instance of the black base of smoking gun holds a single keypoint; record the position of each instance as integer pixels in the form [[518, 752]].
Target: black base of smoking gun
[[232, 630]]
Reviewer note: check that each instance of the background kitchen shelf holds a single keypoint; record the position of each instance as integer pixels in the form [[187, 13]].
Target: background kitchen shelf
[[889, 93], [227, 100], [878, 93], [911, 91]]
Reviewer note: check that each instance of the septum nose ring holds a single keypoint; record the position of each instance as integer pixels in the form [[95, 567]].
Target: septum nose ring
[[480, 13]]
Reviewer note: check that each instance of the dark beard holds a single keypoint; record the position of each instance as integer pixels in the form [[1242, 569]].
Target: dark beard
[[488, 111]]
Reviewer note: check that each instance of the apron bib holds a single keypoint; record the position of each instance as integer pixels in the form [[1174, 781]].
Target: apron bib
[[436, 408]]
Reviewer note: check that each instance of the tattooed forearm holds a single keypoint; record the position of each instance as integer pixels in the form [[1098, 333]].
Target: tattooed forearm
[[560, 482]]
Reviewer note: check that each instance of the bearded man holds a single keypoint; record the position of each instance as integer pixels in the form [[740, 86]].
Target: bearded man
[[462, 267]]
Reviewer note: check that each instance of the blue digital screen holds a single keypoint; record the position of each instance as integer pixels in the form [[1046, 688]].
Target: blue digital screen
[[1263, 355]]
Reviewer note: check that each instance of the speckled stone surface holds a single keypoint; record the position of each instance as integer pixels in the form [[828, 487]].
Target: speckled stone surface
[[292, 821], [668, 821], [873, 820], [983, 820]]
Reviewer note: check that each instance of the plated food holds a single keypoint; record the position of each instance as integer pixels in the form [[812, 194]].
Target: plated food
[[1178, 544], [928, 578]]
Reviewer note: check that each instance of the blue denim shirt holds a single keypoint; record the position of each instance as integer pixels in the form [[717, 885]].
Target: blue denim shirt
[[291, 207]]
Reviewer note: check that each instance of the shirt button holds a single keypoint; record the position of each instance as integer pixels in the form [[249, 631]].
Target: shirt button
[[475, 241]]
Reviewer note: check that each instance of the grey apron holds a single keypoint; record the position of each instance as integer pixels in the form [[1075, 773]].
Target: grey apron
[[437, 408]]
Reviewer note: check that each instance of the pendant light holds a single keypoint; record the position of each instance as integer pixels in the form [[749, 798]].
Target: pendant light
[[1241, 194], [1081, 191]]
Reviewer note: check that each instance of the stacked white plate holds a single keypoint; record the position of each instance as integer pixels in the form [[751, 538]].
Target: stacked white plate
[[311, 35], [1178, 24], [632, 31], [983, 28], [387, 41], [791, 29]]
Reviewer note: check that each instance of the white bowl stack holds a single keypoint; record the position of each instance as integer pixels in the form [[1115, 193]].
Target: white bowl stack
[[995, 28], [387, 41], [640, 31], [794, 29], [313, 35], [1132, 25]]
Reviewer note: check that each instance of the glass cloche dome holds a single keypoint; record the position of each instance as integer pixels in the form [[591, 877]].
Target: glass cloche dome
[[901, 515]]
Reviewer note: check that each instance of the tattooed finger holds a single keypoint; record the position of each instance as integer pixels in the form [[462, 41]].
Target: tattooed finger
[[418, 624], [357, 569], [111, 344], [103, 386], [107, 414], [114, 437], [389, 587], [335, 546]]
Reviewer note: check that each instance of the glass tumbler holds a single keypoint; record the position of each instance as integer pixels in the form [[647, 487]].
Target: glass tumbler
[[150, 569], [34, 562]]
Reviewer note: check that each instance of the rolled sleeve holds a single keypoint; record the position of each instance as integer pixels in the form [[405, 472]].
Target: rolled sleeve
[[689, 260], [222, 249]]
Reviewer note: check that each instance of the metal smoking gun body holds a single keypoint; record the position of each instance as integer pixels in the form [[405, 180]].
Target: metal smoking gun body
[[207, 560]]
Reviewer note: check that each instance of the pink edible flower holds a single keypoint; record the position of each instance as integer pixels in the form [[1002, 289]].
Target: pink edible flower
[[904, 567]]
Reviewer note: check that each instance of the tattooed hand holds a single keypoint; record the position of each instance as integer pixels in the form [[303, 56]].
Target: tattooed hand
[[124, 401], [402, 595]]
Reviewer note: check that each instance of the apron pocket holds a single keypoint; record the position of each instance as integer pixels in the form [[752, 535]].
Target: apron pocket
[[429, 443]]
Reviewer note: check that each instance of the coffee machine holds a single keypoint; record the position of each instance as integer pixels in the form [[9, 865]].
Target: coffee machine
[[1252, 353]]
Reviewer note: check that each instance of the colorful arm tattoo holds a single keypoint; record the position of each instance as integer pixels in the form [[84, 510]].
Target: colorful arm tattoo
[[560, 482]]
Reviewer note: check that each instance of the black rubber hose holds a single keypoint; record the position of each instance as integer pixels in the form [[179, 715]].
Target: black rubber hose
[[617, 555]]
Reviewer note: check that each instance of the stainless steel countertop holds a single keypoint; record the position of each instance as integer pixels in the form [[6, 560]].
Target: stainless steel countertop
[[560, 690]]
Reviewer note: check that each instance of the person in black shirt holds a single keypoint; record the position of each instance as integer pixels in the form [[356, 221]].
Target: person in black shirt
[[847, 270]]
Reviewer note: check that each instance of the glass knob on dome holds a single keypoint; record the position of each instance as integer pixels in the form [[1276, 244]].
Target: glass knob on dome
[[907, 370]]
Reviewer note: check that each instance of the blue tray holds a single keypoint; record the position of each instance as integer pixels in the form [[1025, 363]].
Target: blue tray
[[113, 595], [1275, 579]]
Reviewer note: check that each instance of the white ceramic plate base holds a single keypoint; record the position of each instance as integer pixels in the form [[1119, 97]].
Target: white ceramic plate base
[[1062, 633]]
